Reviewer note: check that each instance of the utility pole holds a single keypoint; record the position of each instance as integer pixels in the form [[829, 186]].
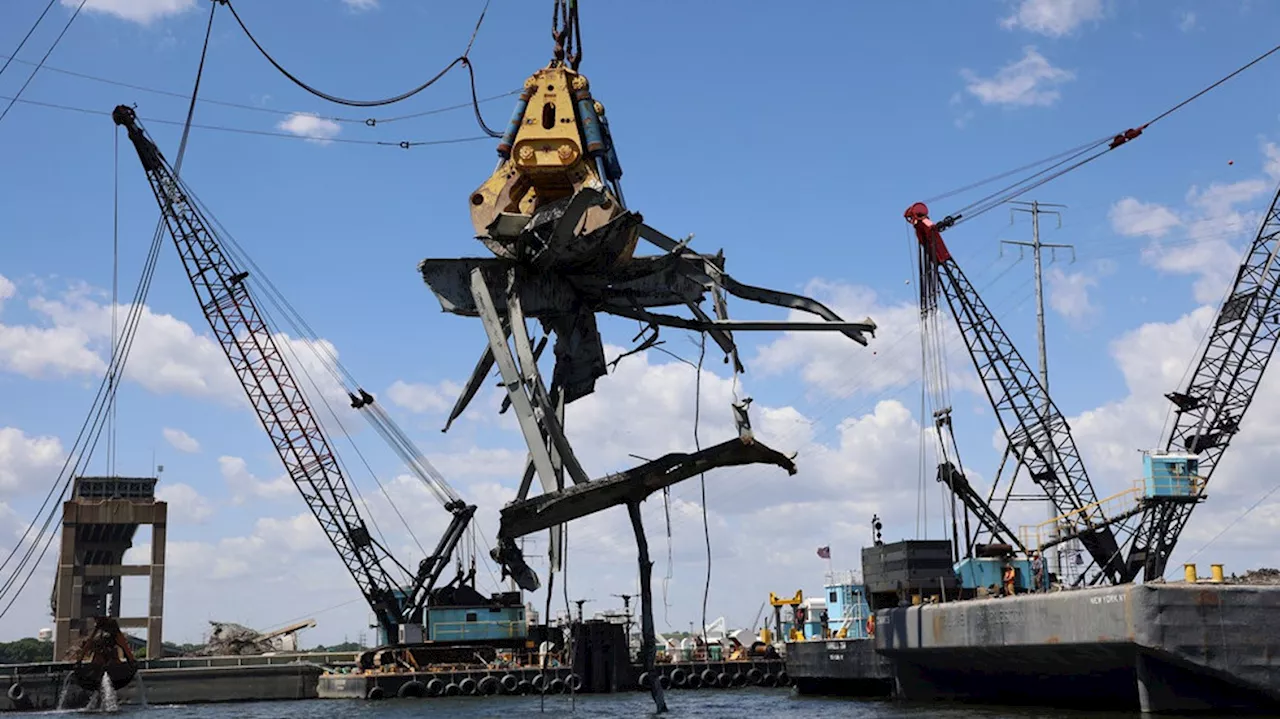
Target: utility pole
[[1034, 209]]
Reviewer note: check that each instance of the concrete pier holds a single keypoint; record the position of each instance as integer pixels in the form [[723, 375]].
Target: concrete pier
[[1159, 648]]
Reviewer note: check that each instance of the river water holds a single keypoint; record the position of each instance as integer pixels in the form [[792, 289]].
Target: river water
[[737, 704]]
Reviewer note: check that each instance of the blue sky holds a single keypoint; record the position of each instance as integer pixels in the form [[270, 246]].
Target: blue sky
[[790, 136]]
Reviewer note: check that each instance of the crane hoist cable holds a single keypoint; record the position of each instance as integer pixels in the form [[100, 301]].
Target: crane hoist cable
[[361, 400]]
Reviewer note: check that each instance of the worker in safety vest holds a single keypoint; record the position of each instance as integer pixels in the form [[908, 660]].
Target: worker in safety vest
[[1009, 576]]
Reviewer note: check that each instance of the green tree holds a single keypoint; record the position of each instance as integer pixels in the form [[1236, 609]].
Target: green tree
[[25, 651]]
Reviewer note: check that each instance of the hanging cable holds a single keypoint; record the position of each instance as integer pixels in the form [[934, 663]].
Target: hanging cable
[[702, 478], [463, 59], [115, 291], [26, 37], [367, 121], [47, 53]]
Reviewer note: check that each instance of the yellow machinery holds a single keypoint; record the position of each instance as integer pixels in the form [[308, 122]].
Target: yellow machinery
[[556, 155], [778, 603]]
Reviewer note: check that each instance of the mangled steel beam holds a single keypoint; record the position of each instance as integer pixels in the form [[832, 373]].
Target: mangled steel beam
[[554, 508]]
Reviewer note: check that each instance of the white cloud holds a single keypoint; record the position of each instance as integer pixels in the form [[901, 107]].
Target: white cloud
[[7, 290], [314, 128], [1132, 218], [1272, 167], [1054, 18], [1069, 294], [180, 440], [245, 486], [840, 368], [418, 397], [186, 505], [27, 462], [1211, 228], [139, 11], [1029, 81], [39, 351], [1154, 359], [361, 5], [168, 355], [1187, 22]]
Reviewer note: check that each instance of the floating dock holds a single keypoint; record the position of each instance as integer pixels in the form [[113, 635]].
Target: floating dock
[[1177, 647], [187, 680], [555, 680]]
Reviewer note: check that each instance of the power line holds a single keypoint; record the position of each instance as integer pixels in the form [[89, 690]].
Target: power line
[[26, 37], [403, 144], [368, 121], [49, 52]]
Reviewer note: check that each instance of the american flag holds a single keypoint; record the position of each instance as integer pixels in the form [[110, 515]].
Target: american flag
[[824, 552]]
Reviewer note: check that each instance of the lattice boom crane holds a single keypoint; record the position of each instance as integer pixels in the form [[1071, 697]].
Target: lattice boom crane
[[1037, 431], [281, 406], [1209, 410]]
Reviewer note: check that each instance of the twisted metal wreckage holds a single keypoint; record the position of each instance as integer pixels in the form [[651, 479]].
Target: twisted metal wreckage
[[564, 242]]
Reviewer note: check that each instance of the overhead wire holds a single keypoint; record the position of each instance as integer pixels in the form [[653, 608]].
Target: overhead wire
[[91, 430], [366, 121], [26, 37], [1025, 185], [403, 144], [47, 53]]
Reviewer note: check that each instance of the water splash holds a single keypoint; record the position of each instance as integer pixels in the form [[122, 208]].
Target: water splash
[[110, 703], [64, 692]]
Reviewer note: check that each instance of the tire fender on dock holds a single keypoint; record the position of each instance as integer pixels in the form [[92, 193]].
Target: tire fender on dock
[[524, 687], [468, 686], [643, 681], [754, 676], [575, 682], [768, 680], [738, 679], [376, 693], [488, 685], [412, 689], [17, 692], [723, 680], [665, 681], [679, 677], [435, 687], [557, 686], [708, 677], [693, 682], [539, 683], [783, 679], [510, 683], [451, 690]]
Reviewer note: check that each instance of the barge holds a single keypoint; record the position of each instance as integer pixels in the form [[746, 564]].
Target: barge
[[1171, 647]]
